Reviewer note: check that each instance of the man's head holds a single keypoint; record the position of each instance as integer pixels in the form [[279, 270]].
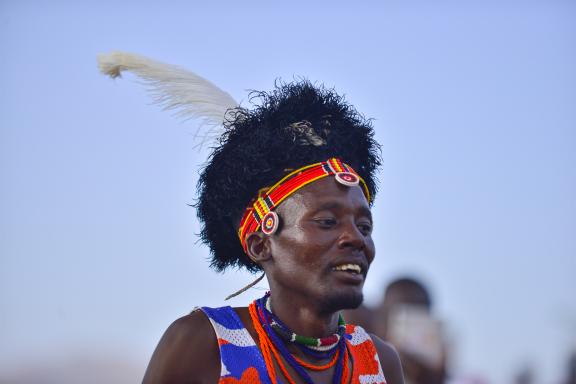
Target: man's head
[[407, 291], [294, 125], [324, 247]]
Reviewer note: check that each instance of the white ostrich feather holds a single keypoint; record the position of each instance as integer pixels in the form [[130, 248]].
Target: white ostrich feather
[[176, 88]]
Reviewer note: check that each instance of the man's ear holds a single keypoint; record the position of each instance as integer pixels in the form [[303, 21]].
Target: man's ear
[[258, 247]]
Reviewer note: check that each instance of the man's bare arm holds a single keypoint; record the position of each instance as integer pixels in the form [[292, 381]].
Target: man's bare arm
[[390, 361], [187, 353]]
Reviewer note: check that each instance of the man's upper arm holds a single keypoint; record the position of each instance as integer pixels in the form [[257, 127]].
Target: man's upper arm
[[390, 361], [187, 353]]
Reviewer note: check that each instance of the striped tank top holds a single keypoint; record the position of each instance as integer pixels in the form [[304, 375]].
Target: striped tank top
[[242, 362]]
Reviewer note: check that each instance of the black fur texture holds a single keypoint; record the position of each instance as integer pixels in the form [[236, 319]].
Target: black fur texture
[[263, 144]]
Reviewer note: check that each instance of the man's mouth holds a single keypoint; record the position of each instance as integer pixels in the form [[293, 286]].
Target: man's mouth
[[351, 268]]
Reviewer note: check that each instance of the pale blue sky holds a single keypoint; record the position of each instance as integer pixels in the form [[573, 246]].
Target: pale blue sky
[[474, 106]]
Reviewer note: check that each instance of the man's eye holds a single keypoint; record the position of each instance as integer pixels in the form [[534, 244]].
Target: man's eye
[[325, 222], [365, 228]]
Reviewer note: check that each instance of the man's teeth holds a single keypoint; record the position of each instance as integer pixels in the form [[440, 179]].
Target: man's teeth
[[348, 267]]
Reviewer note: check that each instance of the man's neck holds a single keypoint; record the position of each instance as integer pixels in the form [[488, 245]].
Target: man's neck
[[302, 316]]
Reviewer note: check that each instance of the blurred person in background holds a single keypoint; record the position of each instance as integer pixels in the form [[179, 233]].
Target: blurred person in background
[[571, 376], [525, 376], [404, 318]]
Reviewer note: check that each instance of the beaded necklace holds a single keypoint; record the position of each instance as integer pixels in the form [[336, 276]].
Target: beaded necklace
[[273, 347], [309, 345]]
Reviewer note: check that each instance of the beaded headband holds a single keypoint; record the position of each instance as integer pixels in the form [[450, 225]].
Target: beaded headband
[[261, 215]]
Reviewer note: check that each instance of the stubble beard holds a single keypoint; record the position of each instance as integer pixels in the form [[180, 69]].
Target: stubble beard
[[338, 301]]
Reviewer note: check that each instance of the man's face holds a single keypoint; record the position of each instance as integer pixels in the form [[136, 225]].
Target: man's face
[[324, 246]]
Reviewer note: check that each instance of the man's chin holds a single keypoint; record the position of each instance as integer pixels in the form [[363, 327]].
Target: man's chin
[[337, 301]]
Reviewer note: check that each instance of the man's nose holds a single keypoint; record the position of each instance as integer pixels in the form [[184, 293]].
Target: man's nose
[[351, 237]]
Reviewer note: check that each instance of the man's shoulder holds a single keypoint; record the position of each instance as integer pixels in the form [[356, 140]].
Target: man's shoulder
[[389, 360], [187, 348], [195, 329], [200, 317], [189, 325]]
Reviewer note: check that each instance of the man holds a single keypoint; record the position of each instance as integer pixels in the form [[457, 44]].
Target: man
[[287, 191]]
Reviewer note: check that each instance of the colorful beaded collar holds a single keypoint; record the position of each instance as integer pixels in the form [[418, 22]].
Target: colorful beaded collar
[[276, 353], [260, 214]]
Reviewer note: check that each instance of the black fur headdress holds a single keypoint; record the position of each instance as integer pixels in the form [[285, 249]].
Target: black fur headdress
[[293, 125]]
